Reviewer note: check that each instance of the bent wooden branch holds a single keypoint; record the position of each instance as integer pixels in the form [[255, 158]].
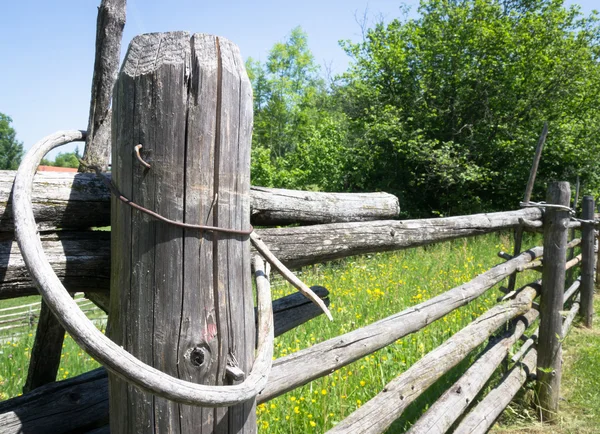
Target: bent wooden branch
[[91, 339], [81, 403]]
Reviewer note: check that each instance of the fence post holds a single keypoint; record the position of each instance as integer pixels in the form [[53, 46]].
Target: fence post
[[588, 258], [553, 285], [181, 299]]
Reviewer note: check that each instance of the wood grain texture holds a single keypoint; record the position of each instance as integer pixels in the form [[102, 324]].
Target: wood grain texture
[[320, 243], [380, 412], [277, 206], [192, 99], [109, 30], [549, 360], [74, 405], [82, 259], [483, 416], [299, 368], [588, 262], [85, 333], [59, 200], [81, 200]]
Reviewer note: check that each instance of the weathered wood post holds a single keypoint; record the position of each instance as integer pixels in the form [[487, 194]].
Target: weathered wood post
[[181, 299], [588, 259], [556, 221]]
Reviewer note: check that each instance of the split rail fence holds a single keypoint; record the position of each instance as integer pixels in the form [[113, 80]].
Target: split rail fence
[[177, 267], [81, 403]]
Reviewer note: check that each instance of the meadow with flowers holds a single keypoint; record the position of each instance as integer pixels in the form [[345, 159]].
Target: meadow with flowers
[[363, 289]]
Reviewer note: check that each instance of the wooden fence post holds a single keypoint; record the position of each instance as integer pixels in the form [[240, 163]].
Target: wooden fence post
[[549, 360], [181, 299], [588, 258]]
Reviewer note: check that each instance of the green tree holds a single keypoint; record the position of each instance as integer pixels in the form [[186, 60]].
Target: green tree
[[67, 159], [292, 109], [11, 150], [445, 109]]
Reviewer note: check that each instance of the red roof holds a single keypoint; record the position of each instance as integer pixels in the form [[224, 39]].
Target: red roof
[[56, 169]]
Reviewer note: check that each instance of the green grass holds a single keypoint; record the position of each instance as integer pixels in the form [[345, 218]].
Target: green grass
[[15, 352], [362, 290]]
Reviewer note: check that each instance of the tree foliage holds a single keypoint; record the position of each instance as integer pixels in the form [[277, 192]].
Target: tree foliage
[[297, 137], [445, 109], [64, 159], [11, 150]]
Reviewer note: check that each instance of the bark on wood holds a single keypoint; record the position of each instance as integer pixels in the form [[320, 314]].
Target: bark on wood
[[81, 200], [587, 263], [109, 30], [381, 411], [46, 350], [82, 259], [553, 285], [482, 417], [192, 104], [305, 207], [451, 405], [299, 368]]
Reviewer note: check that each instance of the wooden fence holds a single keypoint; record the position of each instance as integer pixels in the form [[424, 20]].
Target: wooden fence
[[81, 403]]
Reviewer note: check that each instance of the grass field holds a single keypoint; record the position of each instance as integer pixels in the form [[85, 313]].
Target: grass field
[[362, 290]]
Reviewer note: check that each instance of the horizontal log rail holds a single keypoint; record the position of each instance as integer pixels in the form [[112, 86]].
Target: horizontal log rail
[[81, 259], [447, 409], [377, 414], [82, 200], [480, 419], [299, 368]]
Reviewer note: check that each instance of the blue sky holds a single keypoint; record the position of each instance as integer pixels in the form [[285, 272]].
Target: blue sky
[[48, 46]]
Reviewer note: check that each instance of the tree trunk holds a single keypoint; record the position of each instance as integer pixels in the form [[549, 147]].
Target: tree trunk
[[109, 30]]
